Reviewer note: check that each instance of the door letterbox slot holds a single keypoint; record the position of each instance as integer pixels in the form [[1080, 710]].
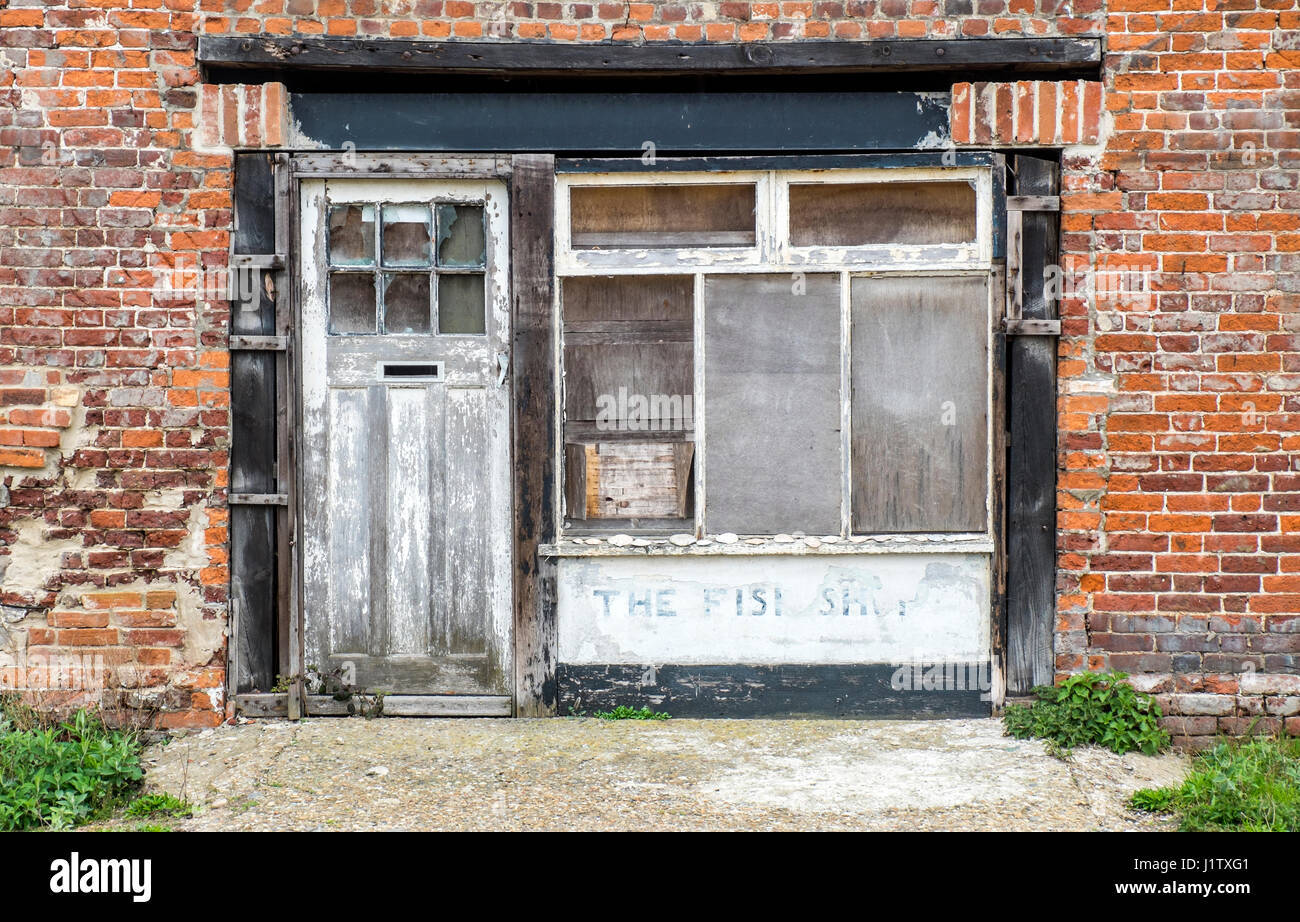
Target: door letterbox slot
[[410, 371]]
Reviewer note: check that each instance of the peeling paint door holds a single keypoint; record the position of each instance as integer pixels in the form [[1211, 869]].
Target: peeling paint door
[[405, 439]]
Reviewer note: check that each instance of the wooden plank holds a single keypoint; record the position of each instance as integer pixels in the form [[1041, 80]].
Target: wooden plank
[[1015, 270], [288, 565], [325, 164], [447, 706], [259, 343], [772, 392], [1033, 203], [629, 479], [357, 56], [998, 493], [1025, 327], [532, 273], [262, 705], [257, 260], [1031, 475], [920, 393], [257, 499], [253, 576]]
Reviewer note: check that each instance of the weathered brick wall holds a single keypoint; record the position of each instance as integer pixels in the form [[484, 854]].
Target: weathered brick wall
[[1179, 498], [1179, 501], [114, 574]]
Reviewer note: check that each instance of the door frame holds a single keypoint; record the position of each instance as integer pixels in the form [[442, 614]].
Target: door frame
[[529, 268]]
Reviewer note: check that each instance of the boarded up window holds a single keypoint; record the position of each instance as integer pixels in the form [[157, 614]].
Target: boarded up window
[[662, 216], [861, 214], [920, 392], [629, 386], [772, 399]]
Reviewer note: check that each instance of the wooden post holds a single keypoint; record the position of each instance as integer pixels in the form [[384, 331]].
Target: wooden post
[[532, 277], [1031, 477]]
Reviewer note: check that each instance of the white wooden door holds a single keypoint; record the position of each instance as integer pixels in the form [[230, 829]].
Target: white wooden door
[[405, 465]]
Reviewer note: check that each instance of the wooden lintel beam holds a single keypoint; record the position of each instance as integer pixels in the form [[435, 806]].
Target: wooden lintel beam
[[288, 53]]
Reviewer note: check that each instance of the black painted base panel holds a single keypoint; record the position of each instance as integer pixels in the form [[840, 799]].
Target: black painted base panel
[[850, 691]]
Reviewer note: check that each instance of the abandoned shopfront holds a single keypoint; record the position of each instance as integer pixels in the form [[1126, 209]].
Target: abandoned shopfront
[[683, 398]]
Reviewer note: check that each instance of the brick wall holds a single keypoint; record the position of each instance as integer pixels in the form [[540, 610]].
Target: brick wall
[[1179, 503], [1180, 386]]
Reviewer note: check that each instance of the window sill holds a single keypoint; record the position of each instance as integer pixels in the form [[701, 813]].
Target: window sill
[[777, 546]]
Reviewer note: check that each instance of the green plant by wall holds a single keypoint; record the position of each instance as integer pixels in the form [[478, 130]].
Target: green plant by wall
[[1252, 786], [58, 775], [623, 712], [148, 806], [1091, 707]]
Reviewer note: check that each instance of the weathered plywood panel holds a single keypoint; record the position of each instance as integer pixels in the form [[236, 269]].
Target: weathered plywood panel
[[664, 215], [862, 214], [772, 398], [637, 371], [629, 480], [920, 398], [878, 609], [647, 298]]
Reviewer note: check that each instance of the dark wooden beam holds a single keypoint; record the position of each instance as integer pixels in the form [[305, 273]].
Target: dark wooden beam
[[1031, 477], [532, 273], [386, 55]]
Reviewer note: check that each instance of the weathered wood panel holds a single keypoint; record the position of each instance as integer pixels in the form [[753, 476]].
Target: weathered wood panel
[[950, 690], [540, 58], [407, 479], [628, 480], [1031, 475], [606, 302], [639, 371], [532, 274], [920, 398], [253, 436], [648, 216], [772, 398], [861, 214]]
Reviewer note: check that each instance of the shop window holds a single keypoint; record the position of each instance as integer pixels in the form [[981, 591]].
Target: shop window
[[764, 391]]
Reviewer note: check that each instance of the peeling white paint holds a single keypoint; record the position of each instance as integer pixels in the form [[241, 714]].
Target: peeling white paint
[[814, 610]]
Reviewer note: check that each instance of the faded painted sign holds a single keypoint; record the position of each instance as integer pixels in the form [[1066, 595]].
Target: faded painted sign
[[870, 609]]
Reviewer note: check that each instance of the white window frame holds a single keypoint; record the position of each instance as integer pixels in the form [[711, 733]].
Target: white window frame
[[773, 253]]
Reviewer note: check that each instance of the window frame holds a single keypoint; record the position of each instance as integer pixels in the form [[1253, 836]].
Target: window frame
[[774, 254]]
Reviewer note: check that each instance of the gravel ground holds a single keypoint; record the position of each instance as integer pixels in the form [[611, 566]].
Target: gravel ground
[[581, 773]]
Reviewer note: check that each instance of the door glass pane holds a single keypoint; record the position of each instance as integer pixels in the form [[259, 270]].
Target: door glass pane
[[920, 396], [461, 304], [861, 214], [352, 235], [461, 241], [352, 302], [406, 302], [407, 239], [662, 216]]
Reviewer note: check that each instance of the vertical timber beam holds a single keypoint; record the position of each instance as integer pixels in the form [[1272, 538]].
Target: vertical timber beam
[[1031, 478], [290, 614], [251, 657], [532, 281]]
